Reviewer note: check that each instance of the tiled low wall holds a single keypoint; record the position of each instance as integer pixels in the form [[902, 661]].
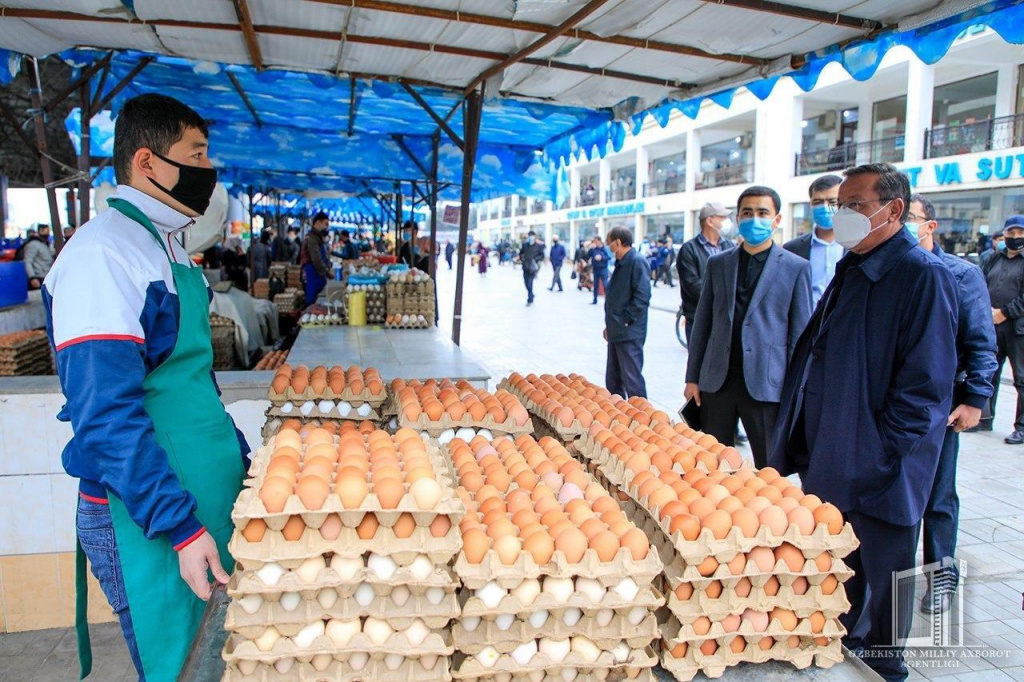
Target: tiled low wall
[[38, 500]]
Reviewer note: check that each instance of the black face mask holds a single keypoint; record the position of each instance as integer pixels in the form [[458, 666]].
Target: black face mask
[[1014, 243], [195, 185]]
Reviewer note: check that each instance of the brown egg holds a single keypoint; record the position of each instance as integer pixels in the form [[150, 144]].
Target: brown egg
[[738, 564], [718, 522], [702, 507], [771, 586], [765, 643], [800, 585], [350, 485], [606, 544], [330, 529], [404, 526], [274, 493], [254, 530], [684, 591], [312, 491], [280, 383], [746, 521], [708, 566], [475, 545], [294, 528], [831, 516], [541, 546], [791, 556], [367, 527], [829, 584], [742, 587], [573, 543], [440, 526], [637, 543], [787, 619], [518, 414], [774, 519], [284, 467], [288, 451], [687, 524], [738, 644], [701, 625], [713, 589], [389, 492], [763, 558], [412, 411], [507, 547], [679, 650], [319, 435]]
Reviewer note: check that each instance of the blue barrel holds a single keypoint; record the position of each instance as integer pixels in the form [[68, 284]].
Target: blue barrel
[[13, 284]]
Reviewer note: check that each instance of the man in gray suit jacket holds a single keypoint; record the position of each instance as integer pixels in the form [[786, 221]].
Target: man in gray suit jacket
[[753, 307]]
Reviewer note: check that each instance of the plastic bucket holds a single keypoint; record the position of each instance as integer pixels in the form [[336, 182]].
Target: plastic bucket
[[357, 309], [13, 284]]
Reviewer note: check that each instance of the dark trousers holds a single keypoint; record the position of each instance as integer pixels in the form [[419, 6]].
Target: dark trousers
[[665, 272], [1010, 347], [449, 260], [719, 410], [528, 278], [624, 372], [314, 284], [688, 329], [600, 277], [942, 515], [884, 549], [556, 280]]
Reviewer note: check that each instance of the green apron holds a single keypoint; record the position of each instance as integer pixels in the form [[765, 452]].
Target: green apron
[[191, 424]]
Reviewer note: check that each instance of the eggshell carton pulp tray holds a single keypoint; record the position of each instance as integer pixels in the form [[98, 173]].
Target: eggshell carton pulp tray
[[487, 634], [617, 472], [334, 413], [261, 456], [832, 629], [435, 616], [647, 597], [713, 666], [465, 667], [244, 581], [728, 603], [273, 546], [475, 576], [676, 572], [435, 428], [240, 648], [272, 426], [410, 671], [565, 433], [592, 675], [364, 396]]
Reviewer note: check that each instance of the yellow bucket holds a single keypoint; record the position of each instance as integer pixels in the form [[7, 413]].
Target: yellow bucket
[[357, 309]]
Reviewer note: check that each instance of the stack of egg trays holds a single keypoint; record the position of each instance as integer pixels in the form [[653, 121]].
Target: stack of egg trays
[[327, 404], [304, 589]]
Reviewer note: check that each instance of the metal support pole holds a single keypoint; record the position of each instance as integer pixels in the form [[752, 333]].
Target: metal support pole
[[3, 206], [398, 210], [471, 125], [44, 160], [435, 141], [70, 206], [83, 154]]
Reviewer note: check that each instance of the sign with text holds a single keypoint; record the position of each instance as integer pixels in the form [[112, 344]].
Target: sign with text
[[451, 214], [606, 211]]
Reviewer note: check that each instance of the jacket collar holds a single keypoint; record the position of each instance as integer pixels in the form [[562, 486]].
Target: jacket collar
[[164, 218], [876, 264]]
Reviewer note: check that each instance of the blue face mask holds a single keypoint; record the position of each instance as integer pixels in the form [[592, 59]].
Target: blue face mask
[[822, 216], [912, 229], [756, 230], [1000, 246]]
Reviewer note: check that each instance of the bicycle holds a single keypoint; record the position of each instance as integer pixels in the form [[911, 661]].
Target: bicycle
[[681, 328]]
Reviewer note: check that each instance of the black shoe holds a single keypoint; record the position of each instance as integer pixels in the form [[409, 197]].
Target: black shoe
[[593, 303], [929, 605], [741, 437], [1015, 438], [983, 425], [551, 288]]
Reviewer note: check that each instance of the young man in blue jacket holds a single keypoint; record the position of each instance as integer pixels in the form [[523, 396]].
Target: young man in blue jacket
[[600, 257], [557, 257], [625, 316]]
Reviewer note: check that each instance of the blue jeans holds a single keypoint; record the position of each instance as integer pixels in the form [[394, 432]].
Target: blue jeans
[[624, 369], [942, 515], [600, 276], [96, 534]]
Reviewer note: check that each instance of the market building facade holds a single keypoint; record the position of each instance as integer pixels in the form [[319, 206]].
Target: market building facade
[[956, 128]]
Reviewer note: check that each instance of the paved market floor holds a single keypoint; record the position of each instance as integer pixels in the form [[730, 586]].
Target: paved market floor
[[561, 332]]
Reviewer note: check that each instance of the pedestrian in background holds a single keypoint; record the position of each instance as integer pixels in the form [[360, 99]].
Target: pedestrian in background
[[1004, 274], [692, 260], [449, 251], [599, 257], [557, 257], [753, 307], [481, 254], [998, 244], [38, 255], [866, 400], [819, 245], [972, 390], [581, 266], [260, 256], [531, 254], [625, 316], [668, 260], [313, 258]]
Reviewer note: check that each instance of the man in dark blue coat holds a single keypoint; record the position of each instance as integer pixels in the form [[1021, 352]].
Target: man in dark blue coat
[[557, 257], [599, 257], [976, 363], [625, 316], [867, 399]]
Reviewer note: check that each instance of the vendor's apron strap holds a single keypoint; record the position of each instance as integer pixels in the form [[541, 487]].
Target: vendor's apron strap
[[82, 612]]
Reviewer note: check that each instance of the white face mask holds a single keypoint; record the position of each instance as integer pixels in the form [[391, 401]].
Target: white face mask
[[728, 229], [851, 227]]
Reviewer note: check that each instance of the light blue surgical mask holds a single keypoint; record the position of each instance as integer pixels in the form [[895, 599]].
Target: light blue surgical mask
[[912, 229], [1000, 246], [823, 216], [756, 230]]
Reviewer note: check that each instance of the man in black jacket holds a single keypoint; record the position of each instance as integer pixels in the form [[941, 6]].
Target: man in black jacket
[[693, 256], [530, 255], [1004, 273], [625, 316]]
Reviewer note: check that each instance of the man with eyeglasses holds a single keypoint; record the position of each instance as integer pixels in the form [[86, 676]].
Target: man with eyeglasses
[[1004, 273], [819, 245], [976, 362], [866, 400]]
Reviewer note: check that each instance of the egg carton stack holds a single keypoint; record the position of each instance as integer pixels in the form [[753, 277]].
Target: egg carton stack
[[317, 315], [261, 288], [343, 545], [25, 354], [272, 360], [556, 583], [443, 410], [753, 566], [410, 299], [335, 393], [569, 405], [291, 274], [275, 425], [222, 335], [376, 301], [291, 300]]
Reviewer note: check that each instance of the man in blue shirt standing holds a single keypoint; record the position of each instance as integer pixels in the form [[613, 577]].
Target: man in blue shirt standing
[[600, 257], [819, 245], [625, 316], [867, 397], [557, 257]]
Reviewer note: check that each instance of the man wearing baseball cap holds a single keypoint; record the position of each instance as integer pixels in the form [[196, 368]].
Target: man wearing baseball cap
[[1004, 273], [692, 261]]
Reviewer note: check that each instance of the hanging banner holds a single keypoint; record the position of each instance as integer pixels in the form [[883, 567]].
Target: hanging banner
[[451, 214]]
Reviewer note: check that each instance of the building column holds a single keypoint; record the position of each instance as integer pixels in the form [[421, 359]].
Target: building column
[[574, 187], [773, 135], [639, 228], [643, 171], [692, 159], [1006, 90], [604, 180], [865, 128], [920, 98]]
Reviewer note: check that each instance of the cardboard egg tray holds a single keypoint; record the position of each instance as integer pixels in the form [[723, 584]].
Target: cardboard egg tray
[[809, 653], [615, 468], [288, 623], [833, 629], [506, 641], [728, 603], [436, 428], [274, 547], [330, 669], [475, 576], [347, 395], [472, 606], [436, 644], [467, 667], [245, 581], [564, 433], [272, 426], [326, 408], [621, 674]]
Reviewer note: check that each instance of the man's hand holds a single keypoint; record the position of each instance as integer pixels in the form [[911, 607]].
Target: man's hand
[[997, 316], [605, 332], [692, 391], [194, 560], [964, 417]]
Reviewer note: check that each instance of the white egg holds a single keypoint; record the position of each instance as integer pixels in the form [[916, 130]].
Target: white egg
[[283, 665], [487, 657], [421, 567], [394, 661], [251, 603], [344, 408], [590, 588], [470, 623], [504, 621], [538, 618], [447, 436], [309, 569], [604, 616], [627, 589], [417, 632], [434, 595], [327, 598], [307, 408], [383, 566], [636, 615], [341, 632], [325, 406], [266, 641], [486, 433], [358, 660], [526, 592], [572, 616], [346, 567], [400, 595], [364, 595], [287, 408], [290, 600], [555, 649], [377, 630], [364, 410], [621, 652], [491, 594], [465, 433], [306, 635], [321, 662], [525, 652], [586, 648], [560, 589], [270, 573]]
